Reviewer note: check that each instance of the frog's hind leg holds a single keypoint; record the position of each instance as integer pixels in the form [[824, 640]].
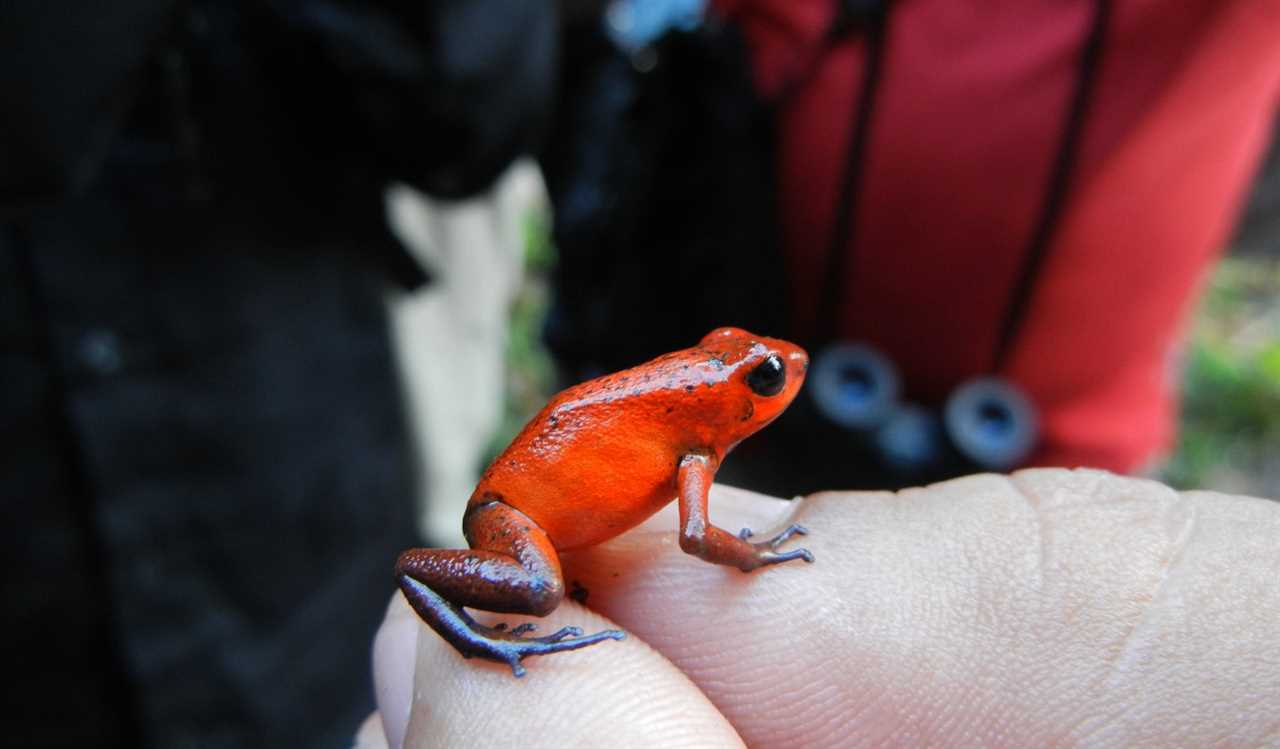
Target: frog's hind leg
[[511, 567], [497, 643]]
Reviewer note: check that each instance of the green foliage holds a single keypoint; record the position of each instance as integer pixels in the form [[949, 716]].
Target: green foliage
[[539, 251], [1231, 389]]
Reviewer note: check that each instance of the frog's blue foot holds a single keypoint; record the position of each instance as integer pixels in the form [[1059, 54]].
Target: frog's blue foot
[[496, 643], [769, 553]]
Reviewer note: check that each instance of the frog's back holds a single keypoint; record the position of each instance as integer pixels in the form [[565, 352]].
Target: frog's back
[[601, 456]]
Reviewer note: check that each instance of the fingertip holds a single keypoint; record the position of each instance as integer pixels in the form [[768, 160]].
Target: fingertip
[[394, 656], [1065, 594], [615, 692]]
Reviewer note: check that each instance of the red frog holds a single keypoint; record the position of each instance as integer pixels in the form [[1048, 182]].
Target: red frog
[[599, 459]]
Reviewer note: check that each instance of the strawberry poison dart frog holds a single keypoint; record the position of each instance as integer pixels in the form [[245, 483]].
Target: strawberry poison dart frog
[[599, 459]]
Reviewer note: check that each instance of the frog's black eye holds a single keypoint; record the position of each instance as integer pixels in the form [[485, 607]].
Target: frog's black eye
[[768, 377]]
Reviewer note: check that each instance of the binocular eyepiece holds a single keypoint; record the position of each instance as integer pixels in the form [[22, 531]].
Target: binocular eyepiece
[[985, 424]]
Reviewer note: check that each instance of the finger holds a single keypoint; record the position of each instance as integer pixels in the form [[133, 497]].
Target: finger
[[1053, 607], [615, 693], [395, 651]]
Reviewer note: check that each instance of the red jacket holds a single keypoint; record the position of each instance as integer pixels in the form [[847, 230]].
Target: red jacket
[[969, 116]]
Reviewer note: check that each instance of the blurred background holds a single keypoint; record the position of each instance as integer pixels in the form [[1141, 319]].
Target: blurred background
[[279, 278]]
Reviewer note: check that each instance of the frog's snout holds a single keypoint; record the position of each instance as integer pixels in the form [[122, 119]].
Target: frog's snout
[[799, 361]]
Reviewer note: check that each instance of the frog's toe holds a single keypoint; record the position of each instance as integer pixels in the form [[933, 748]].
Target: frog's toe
[[560, 634], [795, 529], [569, 638], [778, 557]]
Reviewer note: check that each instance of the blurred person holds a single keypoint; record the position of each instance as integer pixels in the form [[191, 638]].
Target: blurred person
[[205, 463], [986, 223]]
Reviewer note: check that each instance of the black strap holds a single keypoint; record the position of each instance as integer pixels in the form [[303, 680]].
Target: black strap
[[850, 17], [1056, 193], [874, 18]]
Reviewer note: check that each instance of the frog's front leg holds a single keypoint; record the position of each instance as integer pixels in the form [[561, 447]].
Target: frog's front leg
[[705, 541], [511, 567]]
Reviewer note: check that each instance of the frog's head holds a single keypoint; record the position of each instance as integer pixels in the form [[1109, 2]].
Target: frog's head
[[766, 374]]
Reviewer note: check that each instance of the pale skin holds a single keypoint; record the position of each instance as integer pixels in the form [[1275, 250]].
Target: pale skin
[[1050, 608]]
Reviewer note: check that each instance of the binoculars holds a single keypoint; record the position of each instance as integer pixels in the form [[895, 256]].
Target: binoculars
[[985, 424]]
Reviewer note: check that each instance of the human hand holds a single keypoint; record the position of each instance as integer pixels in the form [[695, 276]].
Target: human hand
[[1047, 608]]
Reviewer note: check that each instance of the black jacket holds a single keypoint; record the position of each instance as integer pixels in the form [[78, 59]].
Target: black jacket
[[204, 467]]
